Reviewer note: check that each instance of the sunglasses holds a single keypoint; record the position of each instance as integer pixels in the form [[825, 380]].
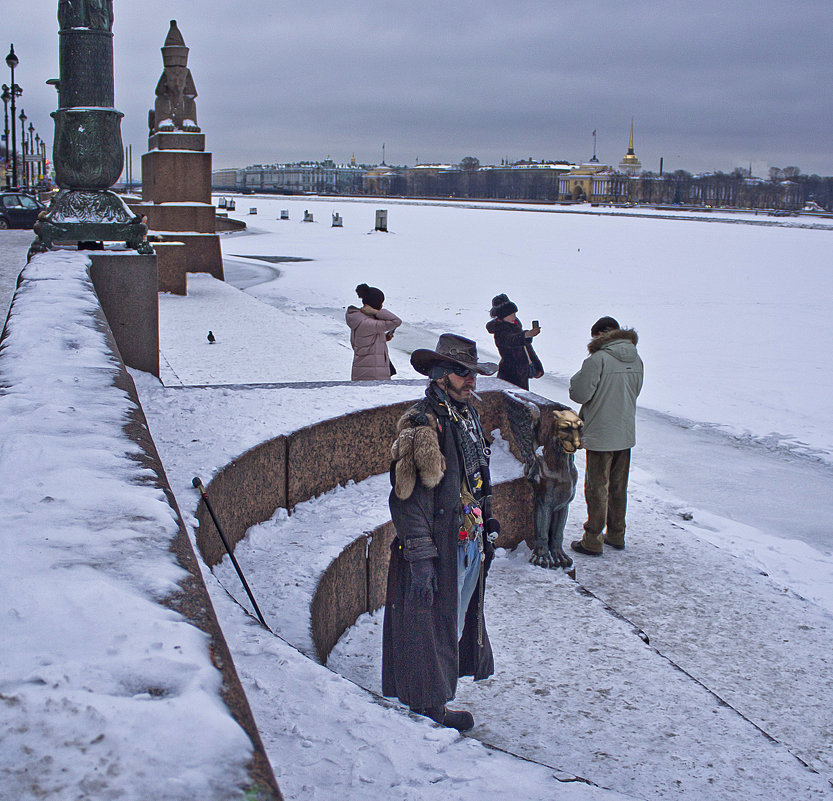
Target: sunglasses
[[460, 370]]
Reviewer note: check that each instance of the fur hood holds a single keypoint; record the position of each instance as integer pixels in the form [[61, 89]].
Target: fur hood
[[597, 343]]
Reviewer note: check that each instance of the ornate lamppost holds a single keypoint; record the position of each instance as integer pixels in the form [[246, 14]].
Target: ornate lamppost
[[6, 98], [23, 119], [11, 62], [39, 162], [45, 162], [30, 166], [87, 151]]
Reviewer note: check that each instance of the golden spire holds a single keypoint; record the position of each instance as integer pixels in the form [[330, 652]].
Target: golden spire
[[630, 164]]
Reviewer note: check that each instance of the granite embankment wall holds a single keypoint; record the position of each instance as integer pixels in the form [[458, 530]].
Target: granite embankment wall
[[34, 309], [288, 470]]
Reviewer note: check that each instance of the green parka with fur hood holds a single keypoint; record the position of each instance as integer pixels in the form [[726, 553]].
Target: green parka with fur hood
[[607, 387]]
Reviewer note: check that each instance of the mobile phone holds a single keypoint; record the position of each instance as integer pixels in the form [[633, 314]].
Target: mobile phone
[[536, 324]]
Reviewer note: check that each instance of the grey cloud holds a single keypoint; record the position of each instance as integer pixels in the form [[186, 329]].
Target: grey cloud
[[711, 84]]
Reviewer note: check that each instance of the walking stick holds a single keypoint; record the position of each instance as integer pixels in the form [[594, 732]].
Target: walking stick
[[198, 485]]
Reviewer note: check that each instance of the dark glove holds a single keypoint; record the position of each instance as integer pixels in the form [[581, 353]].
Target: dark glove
[[423, 583], [491, 530]]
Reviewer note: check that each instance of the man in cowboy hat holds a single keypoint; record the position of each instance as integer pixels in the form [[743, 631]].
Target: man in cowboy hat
[[434, 631]]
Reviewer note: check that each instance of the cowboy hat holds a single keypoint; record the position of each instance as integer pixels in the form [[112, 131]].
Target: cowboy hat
[[451, 349]]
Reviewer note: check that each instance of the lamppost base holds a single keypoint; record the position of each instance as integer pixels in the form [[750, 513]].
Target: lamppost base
[[89, 215]]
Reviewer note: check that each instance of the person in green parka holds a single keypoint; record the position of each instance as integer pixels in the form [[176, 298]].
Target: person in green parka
[[606, 386]]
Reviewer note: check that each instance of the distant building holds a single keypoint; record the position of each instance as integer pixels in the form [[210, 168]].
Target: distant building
[[383, 180], [308, 177], [226, 179], [538, 181]]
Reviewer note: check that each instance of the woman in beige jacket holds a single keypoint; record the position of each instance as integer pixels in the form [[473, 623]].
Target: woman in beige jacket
[[371, 327]]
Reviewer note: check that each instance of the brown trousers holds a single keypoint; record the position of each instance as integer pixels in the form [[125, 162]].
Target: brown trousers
[[606, 494]]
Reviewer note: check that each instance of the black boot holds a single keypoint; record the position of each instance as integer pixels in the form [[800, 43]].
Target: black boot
[[450, 718], [458, 719]]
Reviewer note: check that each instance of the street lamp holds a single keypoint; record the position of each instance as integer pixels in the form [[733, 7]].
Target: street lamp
[[12, 61], [23, 119], [6, 98], [30, 166], [38, 151]]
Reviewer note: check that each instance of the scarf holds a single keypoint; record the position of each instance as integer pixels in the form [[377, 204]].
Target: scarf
[[469, 440]]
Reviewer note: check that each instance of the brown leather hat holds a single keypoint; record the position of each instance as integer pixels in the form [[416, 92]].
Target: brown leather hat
[[451, 349]]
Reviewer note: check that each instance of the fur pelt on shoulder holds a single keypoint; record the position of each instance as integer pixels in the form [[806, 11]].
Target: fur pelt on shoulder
[[597, 343], [416, 452]]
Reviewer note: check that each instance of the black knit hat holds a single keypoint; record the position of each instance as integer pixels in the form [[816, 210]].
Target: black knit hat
[[371, 296], [603, 324], [502, 306]]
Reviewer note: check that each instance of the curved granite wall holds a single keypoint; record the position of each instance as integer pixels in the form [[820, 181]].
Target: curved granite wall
[[291, 469]]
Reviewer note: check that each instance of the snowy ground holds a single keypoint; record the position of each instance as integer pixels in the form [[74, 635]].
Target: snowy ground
[[732, 696]]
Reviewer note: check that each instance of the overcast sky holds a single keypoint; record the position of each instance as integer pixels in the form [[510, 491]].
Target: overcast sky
[[710, 84]]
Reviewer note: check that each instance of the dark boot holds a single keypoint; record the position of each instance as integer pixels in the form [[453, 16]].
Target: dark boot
[[462, 721], [578, 547], [458, 719]]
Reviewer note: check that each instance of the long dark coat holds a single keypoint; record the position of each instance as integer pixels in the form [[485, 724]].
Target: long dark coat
[[421, 660], [513, 347]]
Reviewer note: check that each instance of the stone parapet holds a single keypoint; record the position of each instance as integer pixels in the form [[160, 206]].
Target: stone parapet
[[126, 285], [171, 263], [202, 251], [357, 446], [245, 492], [116, 531]]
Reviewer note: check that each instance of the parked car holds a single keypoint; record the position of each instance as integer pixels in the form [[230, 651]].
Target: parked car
[[18, 210]]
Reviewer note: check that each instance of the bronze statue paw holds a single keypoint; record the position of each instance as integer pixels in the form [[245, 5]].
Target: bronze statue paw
[[542, 557]]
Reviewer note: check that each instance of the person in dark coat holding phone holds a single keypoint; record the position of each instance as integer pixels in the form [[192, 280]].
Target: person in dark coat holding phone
[[434, 629], [518, 360]]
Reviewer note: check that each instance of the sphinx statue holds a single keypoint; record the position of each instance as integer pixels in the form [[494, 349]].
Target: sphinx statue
[[175, 109]]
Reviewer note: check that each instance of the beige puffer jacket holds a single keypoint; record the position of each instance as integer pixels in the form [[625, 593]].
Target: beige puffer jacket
[[368, 330]]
